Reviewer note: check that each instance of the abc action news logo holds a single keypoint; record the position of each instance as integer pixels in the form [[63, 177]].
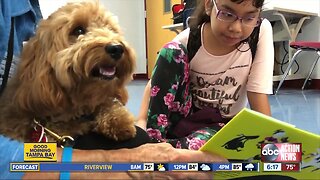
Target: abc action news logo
[[281, 152]]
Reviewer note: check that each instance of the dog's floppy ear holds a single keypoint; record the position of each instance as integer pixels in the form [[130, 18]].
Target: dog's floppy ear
[[63, 70], [39, 91]]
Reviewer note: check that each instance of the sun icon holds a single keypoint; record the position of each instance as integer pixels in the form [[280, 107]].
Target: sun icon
[[161, 167]]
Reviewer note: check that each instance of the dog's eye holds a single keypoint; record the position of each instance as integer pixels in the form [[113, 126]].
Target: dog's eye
[[78, 31]]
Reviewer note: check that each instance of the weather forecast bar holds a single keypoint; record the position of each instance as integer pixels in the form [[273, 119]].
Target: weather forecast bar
[[98, 167]]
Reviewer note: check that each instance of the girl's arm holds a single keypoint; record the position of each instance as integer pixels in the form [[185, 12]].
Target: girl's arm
[[142, 117], [260, 78], [259, 102]]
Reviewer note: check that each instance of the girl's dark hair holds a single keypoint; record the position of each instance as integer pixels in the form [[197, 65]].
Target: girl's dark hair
[[199, 15]]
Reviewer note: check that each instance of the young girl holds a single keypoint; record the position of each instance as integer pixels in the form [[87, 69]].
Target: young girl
[[188, 100]]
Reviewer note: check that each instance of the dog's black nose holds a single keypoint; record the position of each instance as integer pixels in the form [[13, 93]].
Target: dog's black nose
[[114, 50]]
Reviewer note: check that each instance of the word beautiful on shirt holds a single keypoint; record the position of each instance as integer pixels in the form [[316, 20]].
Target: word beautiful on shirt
[[206, 93]]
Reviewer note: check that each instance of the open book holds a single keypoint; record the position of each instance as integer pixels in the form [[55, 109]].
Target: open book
[[241, 139]]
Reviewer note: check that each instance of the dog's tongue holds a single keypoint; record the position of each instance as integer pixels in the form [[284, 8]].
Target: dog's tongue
[[107, 71]]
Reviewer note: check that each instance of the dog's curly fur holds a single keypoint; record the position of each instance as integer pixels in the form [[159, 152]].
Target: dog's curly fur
[[66, 71]]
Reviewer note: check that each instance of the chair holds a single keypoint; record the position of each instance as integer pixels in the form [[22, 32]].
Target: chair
[[186, 17], [301, 46]]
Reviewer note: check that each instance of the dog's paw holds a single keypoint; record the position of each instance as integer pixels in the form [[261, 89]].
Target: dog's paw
[[125, 133], [124, 128], [117, 123], [117, 130]]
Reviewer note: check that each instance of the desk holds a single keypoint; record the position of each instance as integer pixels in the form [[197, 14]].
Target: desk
[[291, 21], [177, 28], [286, 25]]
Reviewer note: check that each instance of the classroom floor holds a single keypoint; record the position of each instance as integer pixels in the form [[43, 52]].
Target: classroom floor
[[300, 108]]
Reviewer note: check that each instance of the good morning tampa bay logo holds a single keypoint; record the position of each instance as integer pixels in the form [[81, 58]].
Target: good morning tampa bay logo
[[40, 152]]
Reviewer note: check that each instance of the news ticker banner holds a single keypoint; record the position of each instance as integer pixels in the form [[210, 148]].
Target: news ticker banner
[[98, 167], [275, 157]]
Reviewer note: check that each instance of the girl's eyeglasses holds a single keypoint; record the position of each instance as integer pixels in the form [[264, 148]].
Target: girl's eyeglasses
[[251, 21]]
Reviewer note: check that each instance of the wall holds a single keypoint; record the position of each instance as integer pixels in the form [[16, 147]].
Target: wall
[[131, 18], [47, 7], [156, 36]]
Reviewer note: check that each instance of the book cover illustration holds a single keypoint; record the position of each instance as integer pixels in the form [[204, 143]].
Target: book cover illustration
[[241, 139]]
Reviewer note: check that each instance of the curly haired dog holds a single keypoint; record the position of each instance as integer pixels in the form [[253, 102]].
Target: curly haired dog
[[72, 78]]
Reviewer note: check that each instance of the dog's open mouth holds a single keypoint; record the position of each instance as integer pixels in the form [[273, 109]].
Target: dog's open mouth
[[104, 72]]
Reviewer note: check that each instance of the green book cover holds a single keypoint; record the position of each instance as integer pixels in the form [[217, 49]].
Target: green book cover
[[240, 141]]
